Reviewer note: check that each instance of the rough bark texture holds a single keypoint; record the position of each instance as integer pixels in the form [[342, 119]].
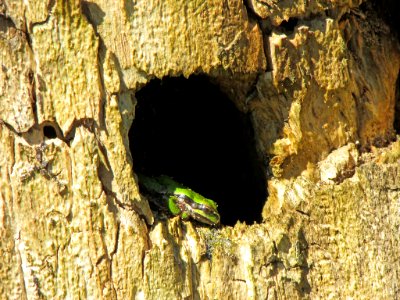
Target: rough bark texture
[[322, 96]]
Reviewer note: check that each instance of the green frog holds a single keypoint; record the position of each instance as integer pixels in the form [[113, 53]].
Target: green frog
[[180, 200]]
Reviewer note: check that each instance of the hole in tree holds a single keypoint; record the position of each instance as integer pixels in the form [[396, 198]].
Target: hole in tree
[[290, 24], [49, 132], [388, 10], [189, 130]]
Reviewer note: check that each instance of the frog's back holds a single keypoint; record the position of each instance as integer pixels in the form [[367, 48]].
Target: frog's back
[[166, 185], [154, 184], [168, 181]]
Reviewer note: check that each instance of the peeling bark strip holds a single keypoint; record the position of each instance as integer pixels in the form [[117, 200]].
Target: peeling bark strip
[[72, 221]]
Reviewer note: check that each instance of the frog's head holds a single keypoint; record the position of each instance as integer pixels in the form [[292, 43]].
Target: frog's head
[[203, 210]]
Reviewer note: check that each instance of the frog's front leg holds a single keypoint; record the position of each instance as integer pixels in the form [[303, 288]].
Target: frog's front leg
[[178, 207]]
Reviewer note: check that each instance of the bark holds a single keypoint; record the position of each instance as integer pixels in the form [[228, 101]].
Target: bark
[[319, 81]]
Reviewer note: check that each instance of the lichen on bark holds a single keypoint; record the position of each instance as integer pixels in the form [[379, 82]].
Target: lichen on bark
[[72, 221]]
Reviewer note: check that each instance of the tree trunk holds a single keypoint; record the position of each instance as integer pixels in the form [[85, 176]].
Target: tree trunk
[[319, 85]]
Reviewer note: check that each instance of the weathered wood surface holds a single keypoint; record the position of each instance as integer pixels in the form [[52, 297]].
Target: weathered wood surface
[[322, 99]]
